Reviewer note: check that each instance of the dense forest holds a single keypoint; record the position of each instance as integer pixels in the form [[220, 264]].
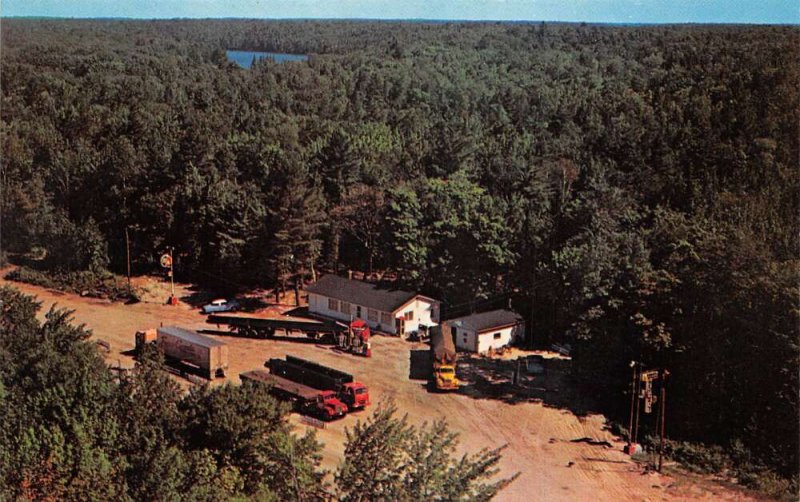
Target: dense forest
[[633, 190]]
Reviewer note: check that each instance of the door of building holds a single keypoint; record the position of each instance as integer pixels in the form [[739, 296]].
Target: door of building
[[400, 325]]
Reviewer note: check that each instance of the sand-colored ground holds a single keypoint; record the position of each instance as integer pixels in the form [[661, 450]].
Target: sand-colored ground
[[537, 422]]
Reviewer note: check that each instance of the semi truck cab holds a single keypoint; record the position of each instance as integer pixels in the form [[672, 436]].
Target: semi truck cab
[[355, 394], [445, 377], [329, 406]]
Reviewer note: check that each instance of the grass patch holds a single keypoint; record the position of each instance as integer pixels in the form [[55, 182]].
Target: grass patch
[[85, 283], [734, 461]]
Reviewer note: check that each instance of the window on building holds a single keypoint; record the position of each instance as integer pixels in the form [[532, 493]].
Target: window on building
[[344, 308], [358, 311], [372, 315], [409, 315], [497, 336], [453, 331], [333, 304], [386, 319]]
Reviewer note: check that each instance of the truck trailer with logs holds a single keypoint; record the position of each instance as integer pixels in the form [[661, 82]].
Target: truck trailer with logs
[[188, 349], [354, 394], [305, 400], [352, 338], [443, 359]]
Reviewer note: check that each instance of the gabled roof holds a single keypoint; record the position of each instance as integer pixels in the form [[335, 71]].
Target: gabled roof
[[486, 321], [362, 293]]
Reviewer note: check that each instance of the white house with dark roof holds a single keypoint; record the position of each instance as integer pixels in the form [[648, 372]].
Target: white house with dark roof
[[384, 309], [484, 331]]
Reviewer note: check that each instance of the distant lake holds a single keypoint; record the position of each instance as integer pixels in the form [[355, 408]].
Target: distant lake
[[245, 58]]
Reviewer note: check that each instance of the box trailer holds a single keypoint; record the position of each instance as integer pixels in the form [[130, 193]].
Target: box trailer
[[185, 347]]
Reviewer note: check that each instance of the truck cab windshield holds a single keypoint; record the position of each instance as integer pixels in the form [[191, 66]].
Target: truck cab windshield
[[446, 371]]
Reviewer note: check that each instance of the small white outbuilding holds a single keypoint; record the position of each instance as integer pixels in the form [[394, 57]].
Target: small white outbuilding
[[484, 331]]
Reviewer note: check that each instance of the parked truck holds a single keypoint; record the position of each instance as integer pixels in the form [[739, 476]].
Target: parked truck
[[443, 359], [187, 348], [354, 394], [305, 400], [353, 337]]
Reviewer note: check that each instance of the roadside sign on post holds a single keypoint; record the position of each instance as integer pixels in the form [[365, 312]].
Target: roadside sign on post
[[649, 376], [166, 262]]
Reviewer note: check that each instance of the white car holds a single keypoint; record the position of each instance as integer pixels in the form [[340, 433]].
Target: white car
[[220, 305]]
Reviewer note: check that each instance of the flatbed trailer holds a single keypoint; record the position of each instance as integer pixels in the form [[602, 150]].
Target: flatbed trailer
[[354, 394], [255, 326], [304, 399], [334, 375]]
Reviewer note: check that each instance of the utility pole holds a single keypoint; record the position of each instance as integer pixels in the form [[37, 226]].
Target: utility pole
[[637, 388], [128, 254], [633, 400], [662, 412], [166, 262], [172, 274]]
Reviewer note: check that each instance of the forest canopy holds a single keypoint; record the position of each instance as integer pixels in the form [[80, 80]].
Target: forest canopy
[[633, 190]]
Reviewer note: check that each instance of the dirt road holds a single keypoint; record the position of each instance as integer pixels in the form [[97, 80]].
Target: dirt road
[[539, 435]]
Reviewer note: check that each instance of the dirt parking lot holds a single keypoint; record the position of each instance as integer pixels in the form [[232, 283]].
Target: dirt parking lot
[[537, 424]]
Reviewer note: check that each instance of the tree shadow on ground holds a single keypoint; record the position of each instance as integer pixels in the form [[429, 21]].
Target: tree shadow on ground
[[488, 378], [299, 312], [198, 297], [420, 367]]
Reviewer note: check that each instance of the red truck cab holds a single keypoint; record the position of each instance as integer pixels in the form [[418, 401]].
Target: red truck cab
[[355, 394], [329, 405]]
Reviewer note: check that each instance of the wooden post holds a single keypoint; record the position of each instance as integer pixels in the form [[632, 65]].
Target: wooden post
[[128, 254], [633, 397], [172, 272], [296, 294], [636, 413], [662, 412]]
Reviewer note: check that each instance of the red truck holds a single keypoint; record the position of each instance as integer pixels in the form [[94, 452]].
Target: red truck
[[354, 394], [306, 400]]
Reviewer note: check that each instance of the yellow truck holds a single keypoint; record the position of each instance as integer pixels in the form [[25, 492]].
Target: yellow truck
[[443, 359]]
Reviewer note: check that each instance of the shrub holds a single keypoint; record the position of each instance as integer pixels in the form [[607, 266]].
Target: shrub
[[85, 283]]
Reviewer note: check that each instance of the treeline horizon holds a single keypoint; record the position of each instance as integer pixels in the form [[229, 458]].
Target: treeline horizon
[[635, 188]]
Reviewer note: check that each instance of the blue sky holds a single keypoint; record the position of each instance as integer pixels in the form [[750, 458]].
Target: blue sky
[[606, 11]]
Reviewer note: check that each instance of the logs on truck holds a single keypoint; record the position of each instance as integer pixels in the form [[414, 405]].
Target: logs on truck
[[354, 394], [443, 360], [352, 338], [187, 349], [305, 400]]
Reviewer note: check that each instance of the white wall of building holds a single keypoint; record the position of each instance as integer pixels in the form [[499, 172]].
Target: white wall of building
[[464, 337], [318, 304], [467, 339], [421, 311], [494, 339]]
